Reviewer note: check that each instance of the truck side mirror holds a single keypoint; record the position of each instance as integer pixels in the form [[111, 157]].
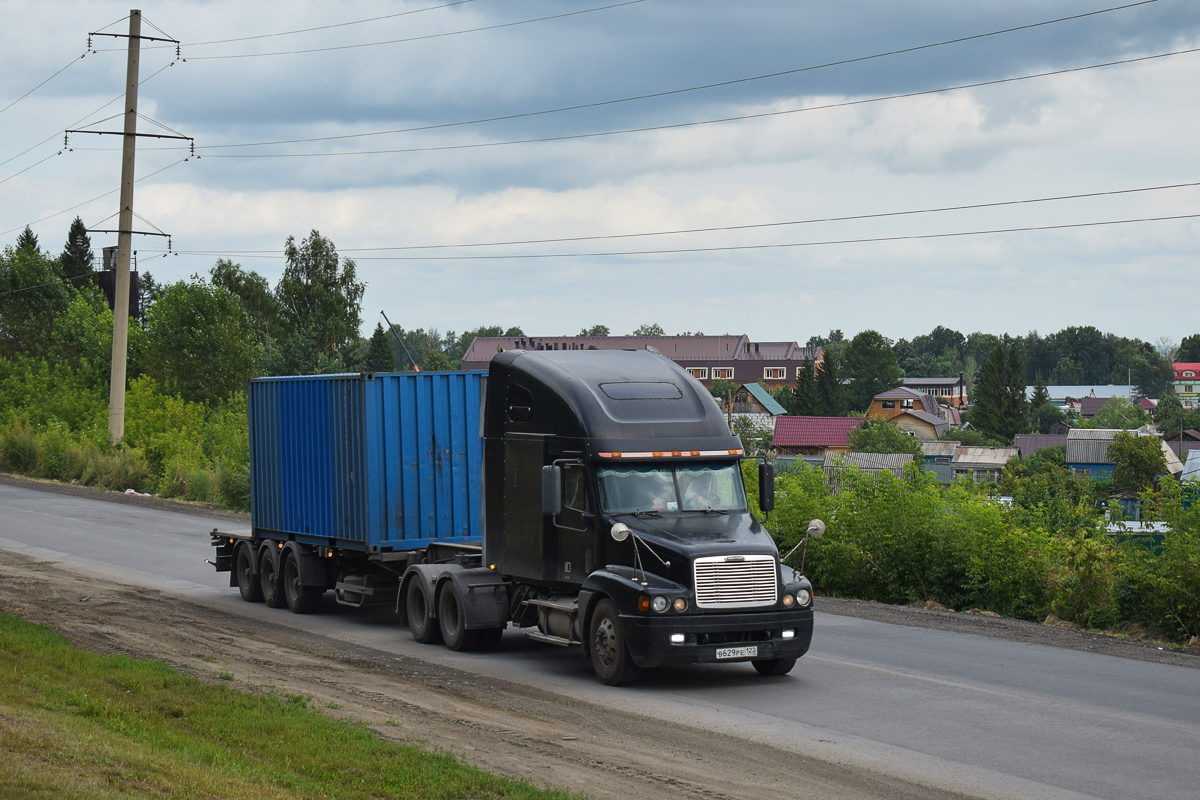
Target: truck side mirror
[[766, 486], [552, 490]]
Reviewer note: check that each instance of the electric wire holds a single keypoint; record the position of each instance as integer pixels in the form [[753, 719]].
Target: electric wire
[[94, 199], [43, 83], [426, 36], [755, 225], [670, 92], [735, 248], [720, 120]]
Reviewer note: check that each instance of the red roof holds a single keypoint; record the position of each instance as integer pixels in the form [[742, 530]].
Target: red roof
[[1192, 367], [814, 431]]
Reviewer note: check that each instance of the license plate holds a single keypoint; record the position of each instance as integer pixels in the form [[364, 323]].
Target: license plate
[[737, 652]]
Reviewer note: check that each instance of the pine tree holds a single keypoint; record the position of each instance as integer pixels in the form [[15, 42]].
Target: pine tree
[[27, 240], [806, 390], [1000, 407], [379, 353], [76, 258], [829, 389]]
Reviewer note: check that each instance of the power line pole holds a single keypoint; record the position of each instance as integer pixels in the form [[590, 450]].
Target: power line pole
[[120, 342]]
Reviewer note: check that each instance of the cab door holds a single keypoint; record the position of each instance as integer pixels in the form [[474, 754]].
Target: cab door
[[575, 526]]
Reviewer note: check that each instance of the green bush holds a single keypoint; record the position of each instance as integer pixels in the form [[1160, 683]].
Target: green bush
[[18, 447]]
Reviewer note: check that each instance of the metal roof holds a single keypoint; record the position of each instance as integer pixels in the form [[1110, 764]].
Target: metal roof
[[1030, 443], [1059, 393], [983, 457], [760, 393], [1191, 467], [932, 381], [814, 431], [899, 393], [872, 463], [939, 449]]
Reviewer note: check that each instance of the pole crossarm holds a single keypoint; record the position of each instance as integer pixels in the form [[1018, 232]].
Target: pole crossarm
[[135, 233], [153, 136], [150, 135], [127, 36]]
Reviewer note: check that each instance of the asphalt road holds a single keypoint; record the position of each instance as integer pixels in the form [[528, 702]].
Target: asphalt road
[[981, 716]]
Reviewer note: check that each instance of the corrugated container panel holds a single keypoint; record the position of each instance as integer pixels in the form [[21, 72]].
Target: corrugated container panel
[[372, 462]]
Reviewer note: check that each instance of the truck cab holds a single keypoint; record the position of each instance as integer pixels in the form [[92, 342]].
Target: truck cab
[[617, 520]]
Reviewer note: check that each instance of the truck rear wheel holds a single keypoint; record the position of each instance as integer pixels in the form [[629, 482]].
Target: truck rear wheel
[[248, 584], [451, 622], [774, 666], [610, 654], [423, 628], [300, 599], [268, 581]]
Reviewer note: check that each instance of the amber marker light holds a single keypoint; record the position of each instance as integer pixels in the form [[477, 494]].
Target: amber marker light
[[643, 603]]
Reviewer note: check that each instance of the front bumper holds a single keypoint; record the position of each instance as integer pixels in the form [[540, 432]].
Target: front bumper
[[649, 637]]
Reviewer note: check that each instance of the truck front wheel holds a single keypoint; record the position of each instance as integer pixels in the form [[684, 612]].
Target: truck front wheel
[[424, 629], [268, 581], [451, 622], [248, 584], [774, 666], [610, 654], [300, 599]]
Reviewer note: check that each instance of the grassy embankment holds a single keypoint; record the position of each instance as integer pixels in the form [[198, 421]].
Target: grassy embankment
[[74, 724]]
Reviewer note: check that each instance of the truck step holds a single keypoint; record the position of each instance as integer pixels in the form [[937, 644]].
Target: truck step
[[538, 636], [567, 606]]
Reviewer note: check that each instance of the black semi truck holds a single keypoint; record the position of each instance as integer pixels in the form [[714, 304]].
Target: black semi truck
[[602, 507]]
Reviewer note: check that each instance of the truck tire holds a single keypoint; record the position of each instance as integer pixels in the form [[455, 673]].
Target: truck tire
[[268, 581], [248, 584], [610, 656], [424, 629], [300, 599], [451, 622], [774, 666]]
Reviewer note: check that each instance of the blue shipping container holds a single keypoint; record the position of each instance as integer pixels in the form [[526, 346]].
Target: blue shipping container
[[371, 462]]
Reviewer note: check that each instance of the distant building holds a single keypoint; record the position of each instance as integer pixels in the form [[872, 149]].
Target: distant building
[[1187, 384], [872, 464], [1029, 443], [981, 464], [1071, 396], [938, 457], [1087, 451], [754, 402], [813, 436], [919, 413], [707, 358], [951, 391]]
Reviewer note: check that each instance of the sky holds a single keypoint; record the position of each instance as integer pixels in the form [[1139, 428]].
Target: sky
[[696, 161]]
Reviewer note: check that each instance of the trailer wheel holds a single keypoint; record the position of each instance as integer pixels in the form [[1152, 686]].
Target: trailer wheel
[[268, 581], [610, 654], [423, 628], [774, 666], [451, 622], [300, 599], [248, 584]]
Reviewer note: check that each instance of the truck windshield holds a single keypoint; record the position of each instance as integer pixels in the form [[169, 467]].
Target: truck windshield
[[705, 486]]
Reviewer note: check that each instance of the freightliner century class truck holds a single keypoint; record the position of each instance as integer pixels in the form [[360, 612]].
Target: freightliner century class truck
[[594, 498]]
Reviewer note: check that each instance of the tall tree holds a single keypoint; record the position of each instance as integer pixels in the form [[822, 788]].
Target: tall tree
[[200, 342], [1137, 461], [830, 401], [255, 293], [319, 296], [27, 240], [653, 329], [802, 400], [595, 330], [1151, 375], [871, 366], [1189, 350], [379, 353], [32, 296], [1000, 408], [76, 258], [1043, 414]]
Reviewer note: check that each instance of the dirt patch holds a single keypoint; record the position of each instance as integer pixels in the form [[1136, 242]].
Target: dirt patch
[[504, 728]]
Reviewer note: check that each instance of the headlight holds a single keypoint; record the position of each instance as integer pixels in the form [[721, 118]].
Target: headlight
[[788, 600], [680, 604], [804, 597], [660, 604]]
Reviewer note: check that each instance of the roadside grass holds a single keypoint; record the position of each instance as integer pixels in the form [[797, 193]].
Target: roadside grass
[[75, 724]]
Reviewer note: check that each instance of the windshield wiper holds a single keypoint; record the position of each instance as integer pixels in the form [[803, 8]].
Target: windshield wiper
[[639, 513]]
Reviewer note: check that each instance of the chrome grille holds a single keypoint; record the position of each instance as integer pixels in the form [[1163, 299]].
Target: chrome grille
[[743, 582]]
